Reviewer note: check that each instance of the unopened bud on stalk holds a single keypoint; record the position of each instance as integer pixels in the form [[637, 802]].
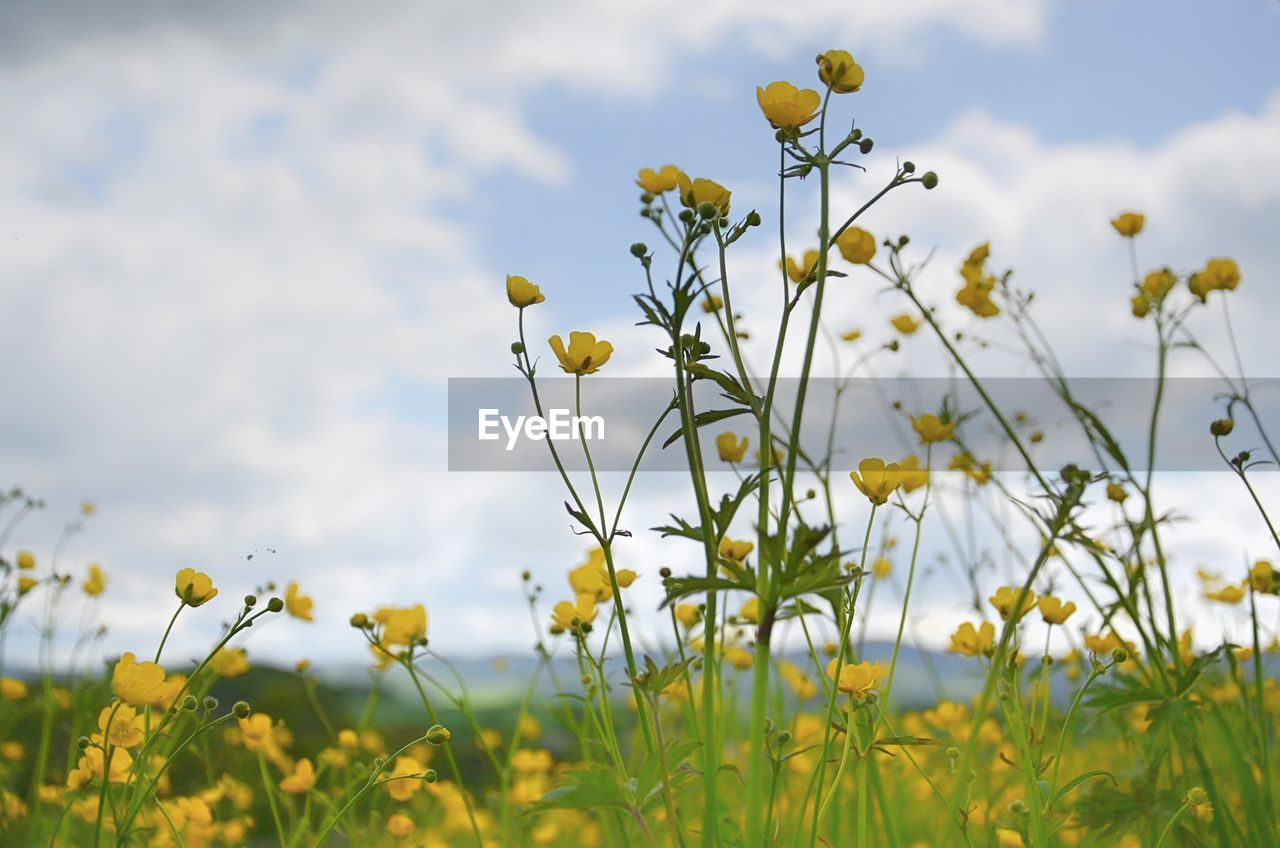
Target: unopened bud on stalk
[[275, 605], [189, 703], [438, 735], [210, 703], [360, 620], [241, 709], [517, 348], [1222, 427], [639, 249], [929, 180]]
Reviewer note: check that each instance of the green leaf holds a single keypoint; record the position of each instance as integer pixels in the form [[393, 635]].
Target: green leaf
[[702, 419], [586, 788]]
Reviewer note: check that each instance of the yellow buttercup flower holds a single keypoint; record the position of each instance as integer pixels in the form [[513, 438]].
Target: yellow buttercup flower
[[402, 625], [584, 355], [1129, 224], [90, 767], [297, 604], [882, 567], [122, 726], [521, 292], [837, 69], [12, 689], [712, 303], [405, 778], [1218, 275], [1157, 284], [971, 641], [1012, 602], [257, 732], [857, 680], [739, 658], [734, 549], [1198, 803], [229, 662], [399, 826], [566, 615], [750, 611], [136, 683], [930, 428], [96, 583], [662, 180], [857, 246], [800, 684], [1053, 610], [913, 476], [695, 192], [26, 560], [302, 779], [688, 614], [1116, 492], [798, 271], [729, 448], [26, 584], [876, 480], [787, 107], [592, 577], [194, 588], [852, 336], [1226, 595], [904, 324], [1264, 578]]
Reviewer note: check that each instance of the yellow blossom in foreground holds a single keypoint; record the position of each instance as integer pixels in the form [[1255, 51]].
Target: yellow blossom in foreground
[[736, 550], [787, 107], [1013, 602], [194, 587], [521, 292], [729, 448], [399, 826], [173, 684], [257, 732], [837, 69], [695, 192], [122, 726], [930, 428], [662, 180], [905, 324], [971, 641], [95, 583], [876, 480], [592, 577], [229, 662], [857, 680], [298, 604], [857, 246], [798, 271], [584, 355], [302, 779], [136, 683], [1129, 224], [26, 560], [90, 767], [12, 689], [1054, 611]]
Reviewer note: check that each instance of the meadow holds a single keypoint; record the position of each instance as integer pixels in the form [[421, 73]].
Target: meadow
[[1133, 734]]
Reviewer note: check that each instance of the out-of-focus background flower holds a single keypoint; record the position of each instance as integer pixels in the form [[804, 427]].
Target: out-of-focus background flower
[[244, 245]]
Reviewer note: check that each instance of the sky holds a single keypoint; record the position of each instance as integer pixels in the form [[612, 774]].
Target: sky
[[245, 248]]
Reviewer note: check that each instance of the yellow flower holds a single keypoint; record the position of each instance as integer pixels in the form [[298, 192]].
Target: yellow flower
[[173, 684], [913, 476], [750, 611], [1157, 284], [399, 826], [798, 271], [90, 767], [797, 680], [729, 448], [904, 324], [298, 604], [712, 303], [1008, 838], [688, 614], [566, 615], [26, 584], [1053, 610], [739, 658], [584, 355], [592, 577], [882, 567], [229, 662], [302, 779], [88, 508], [257, 732], [837, 69], [857, 680], [194, 587], [1013, 602], [521, 292], [1226, 595], [404, 781], [135, 683], [735, 550], [694, 193], [96, 583], [662, 180], [1198, 802], [1218, 275], [12, 689], [1263, 576], [348, 739], [122, 726], [26, 560], [787, 107], [930, 428], [1116, 492], [971, 641], [876, 480], [1128, 224], [857, 246], [852, 335], [402, 625], [13, 751]]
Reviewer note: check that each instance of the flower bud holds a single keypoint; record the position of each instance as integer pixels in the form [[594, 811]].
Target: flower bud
[[430, 776], [360, 620], [908, 167], [275, 605], [241, 709], [1222, 427], [189, 703], [517, 348], [1119, 655], [82, 742], [686, 215], [210, 703], [929, 180], [525, 576], [753, 218], [865, 145], [707, 209], [639, 249], [250, 600], [438, 734], [784, 736], [664, 572]]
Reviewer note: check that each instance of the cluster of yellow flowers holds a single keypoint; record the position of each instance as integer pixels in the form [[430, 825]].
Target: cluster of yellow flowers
[[1218, 274]]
